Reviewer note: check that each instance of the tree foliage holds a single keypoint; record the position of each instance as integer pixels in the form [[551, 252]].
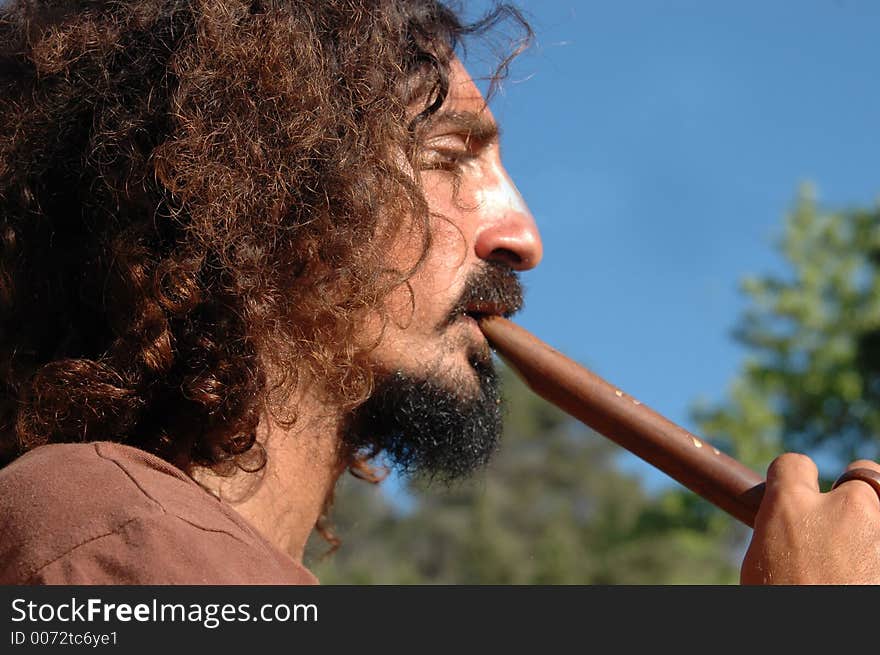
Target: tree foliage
[[811, 382]]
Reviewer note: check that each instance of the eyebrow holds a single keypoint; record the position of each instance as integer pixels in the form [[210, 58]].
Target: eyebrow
[[478, 126]]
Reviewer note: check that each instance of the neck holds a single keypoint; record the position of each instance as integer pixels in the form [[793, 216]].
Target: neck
[[284, 500]]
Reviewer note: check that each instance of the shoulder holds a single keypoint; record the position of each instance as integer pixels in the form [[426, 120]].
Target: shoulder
[[105, 513]]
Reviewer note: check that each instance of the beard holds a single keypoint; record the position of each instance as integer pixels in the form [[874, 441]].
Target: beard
[[434, 424], [423, 427]]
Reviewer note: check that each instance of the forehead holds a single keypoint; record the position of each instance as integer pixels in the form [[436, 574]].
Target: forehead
[[464, 96]]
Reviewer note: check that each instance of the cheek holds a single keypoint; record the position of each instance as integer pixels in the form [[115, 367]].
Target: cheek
[[435, 285]]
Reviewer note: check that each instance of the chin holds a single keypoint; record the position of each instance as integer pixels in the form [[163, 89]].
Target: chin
[[437, 426]]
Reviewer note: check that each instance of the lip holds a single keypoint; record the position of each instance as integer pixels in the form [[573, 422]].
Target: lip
[[472, 321], [471, 325], [475, 313], [480, 310]]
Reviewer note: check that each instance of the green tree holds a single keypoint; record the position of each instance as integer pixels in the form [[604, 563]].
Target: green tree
[[811, 382]]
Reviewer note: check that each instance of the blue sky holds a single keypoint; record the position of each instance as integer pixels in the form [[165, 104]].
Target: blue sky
[[659, 145]]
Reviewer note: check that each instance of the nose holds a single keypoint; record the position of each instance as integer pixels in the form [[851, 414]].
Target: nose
[[508, 233]]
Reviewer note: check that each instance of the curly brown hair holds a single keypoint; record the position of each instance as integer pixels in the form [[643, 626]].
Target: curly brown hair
[[190, 195]]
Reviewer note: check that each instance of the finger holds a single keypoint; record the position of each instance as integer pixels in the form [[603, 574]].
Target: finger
[[865, 487], [793, 470], [864, 464]]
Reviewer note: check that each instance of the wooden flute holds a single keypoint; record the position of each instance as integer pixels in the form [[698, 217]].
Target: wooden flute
[[696, 464]]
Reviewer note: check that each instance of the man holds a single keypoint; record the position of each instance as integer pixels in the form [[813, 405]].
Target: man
[[245, 245]]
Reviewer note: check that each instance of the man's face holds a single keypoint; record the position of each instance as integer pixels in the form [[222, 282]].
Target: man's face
[[480, 220], [435, 409]]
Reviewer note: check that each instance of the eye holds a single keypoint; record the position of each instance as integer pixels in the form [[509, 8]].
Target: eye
[[445, 160], [449, 152]]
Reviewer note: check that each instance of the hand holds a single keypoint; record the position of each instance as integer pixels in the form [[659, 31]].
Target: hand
[[803, 536]]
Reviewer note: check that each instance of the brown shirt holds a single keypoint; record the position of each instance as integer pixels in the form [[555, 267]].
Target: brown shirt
[[104, 513]]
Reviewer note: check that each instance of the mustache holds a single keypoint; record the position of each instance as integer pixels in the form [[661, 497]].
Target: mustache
[[494, 288]]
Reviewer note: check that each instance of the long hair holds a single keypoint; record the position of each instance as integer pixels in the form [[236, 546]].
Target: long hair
[[195, 201]]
